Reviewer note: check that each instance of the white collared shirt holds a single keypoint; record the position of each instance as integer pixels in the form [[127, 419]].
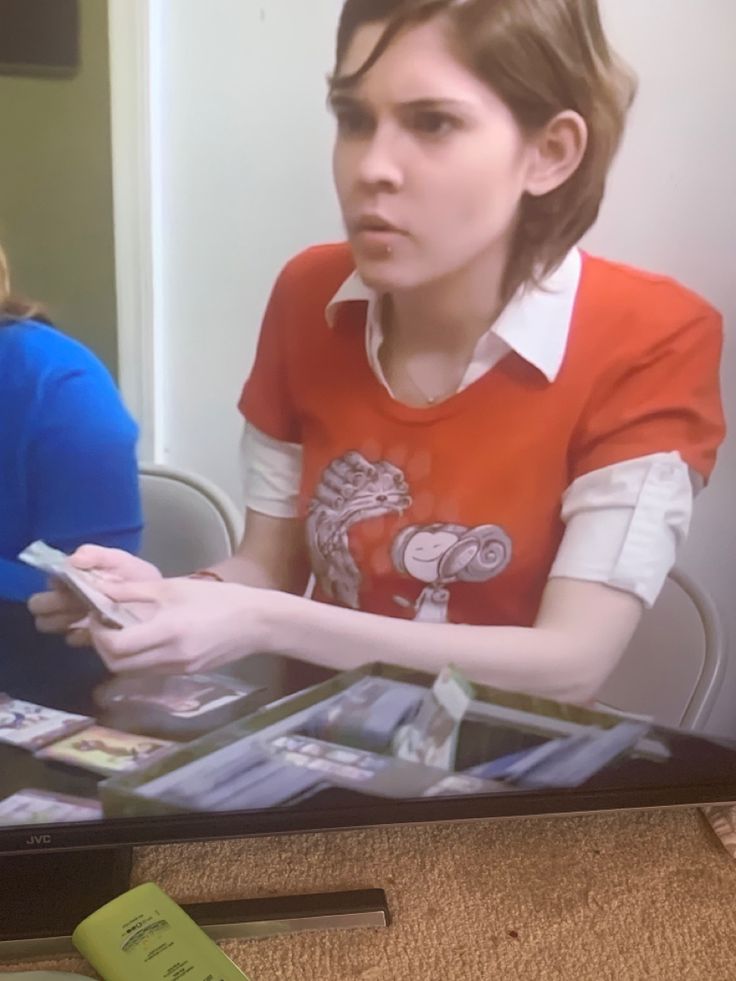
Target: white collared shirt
[[624, 522]]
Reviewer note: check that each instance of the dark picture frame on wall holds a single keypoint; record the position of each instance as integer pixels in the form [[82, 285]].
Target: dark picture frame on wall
[[39, 37]]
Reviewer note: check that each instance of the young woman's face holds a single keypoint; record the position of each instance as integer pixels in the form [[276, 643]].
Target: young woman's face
[[430, 165]]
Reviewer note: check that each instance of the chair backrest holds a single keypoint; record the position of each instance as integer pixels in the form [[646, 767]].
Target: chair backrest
[[189, 523], [674, 665]]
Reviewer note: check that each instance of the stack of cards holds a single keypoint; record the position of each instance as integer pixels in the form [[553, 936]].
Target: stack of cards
[[240, 776], [86, 586], [369, 773], [367, 714], [175, 706], [566, 762]]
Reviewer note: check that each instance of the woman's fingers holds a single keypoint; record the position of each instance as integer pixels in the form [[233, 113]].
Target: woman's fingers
[[56, 624], [151, 662], [78, 637], [116, 645], [113, 563], [135, 592], [55, 601]]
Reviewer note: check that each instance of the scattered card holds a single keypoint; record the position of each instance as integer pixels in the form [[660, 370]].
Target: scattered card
[[30, 806], [32, 726], [105, 750]]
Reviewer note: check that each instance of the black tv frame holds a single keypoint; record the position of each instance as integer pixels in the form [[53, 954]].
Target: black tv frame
[[59, 853]]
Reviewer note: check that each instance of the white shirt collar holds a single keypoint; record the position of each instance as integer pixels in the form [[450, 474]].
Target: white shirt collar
[[535, 323]]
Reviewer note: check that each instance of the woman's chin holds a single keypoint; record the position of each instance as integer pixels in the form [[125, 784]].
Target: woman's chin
[[383, 275]]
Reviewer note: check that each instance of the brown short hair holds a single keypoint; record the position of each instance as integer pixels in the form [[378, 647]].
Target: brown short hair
[[14, 307], [541, 57]]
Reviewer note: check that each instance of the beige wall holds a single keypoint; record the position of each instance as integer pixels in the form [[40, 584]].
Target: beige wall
[[56, 216]]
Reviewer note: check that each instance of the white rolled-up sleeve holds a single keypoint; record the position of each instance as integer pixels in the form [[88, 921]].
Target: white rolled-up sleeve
[[625, 523], [271, 471]]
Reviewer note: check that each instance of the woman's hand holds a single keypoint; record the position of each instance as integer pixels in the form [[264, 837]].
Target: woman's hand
[[187, 625], [59, 611]]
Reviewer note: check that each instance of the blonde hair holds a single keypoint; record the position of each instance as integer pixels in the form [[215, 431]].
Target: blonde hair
[[11, 306], [541, 57]]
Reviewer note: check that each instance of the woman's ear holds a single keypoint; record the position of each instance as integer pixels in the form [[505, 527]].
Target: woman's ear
[[558, 151]]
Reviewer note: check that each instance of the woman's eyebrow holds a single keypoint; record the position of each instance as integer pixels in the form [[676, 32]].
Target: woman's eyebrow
[[341, 100]]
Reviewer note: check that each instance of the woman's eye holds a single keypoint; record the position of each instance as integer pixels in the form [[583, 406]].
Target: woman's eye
[[432, 123], [353, 122]]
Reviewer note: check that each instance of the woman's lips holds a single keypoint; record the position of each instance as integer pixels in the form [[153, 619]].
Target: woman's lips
[[376, 239]]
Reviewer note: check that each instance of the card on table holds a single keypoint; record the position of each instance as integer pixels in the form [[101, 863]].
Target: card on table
[[106, 751], [32, 727], [31, 806]]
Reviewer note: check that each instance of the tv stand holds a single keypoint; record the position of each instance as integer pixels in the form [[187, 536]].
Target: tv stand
[[47, 894]]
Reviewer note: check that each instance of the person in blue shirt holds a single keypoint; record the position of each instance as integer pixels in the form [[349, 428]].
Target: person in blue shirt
[[68, 475]]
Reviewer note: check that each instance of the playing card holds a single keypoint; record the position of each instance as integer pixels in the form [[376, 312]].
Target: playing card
[[33, 726], [85, 585], [432, 734], [105, 750], [30, 806]]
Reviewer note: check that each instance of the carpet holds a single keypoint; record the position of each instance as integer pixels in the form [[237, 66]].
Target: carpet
[[630, 895]]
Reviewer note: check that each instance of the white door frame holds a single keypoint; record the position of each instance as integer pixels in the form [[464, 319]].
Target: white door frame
[[134, 96]]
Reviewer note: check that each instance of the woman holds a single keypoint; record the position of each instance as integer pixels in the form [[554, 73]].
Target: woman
[[489, 441], [68, 475]]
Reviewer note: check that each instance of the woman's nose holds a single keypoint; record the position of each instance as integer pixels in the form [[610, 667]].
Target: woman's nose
[[379, 162]]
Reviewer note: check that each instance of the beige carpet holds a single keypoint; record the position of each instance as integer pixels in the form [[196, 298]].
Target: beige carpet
[[642, 895]]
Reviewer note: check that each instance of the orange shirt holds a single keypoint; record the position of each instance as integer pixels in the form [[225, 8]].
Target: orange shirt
[[452, 512]]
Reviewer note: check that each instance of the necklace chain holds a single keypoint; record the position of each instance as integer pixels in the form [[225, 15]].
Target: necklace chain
[[429, 399]]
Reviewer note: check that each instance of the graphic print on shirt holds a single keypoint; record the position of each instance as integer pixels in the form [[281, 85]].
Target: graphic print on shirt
[[351, 490], [440, 554]]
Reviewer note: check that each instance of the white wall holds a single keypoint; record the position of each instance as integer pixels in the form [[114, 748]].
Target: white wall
[[245, 183], [245, 169], [671, 207]]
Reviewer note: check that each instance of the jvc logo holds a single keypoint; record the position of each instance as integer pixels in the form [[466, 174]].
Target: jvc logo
[[38, 840]]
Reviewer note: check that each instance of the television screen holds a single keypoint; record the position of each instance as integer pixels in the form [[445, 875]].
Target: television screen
[[274, 743], [39, 36], [474, 438]]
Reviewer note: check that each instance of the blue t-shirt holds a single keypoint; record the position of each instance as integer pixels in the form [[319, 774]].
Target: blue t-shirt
[[68, 468]]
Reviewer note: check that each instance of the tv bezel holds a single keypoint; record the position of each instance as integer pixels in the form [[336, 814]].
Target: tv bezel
[[160, 829], [168, 829]]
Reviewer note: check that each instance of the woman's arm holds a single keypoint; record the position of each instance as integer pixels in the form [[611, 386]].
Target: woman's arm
[[581, 631], [271, 555]]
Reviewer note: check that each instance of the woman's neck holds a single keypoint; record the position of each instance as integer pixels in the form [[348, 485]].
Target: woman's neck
[[448, 314]]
